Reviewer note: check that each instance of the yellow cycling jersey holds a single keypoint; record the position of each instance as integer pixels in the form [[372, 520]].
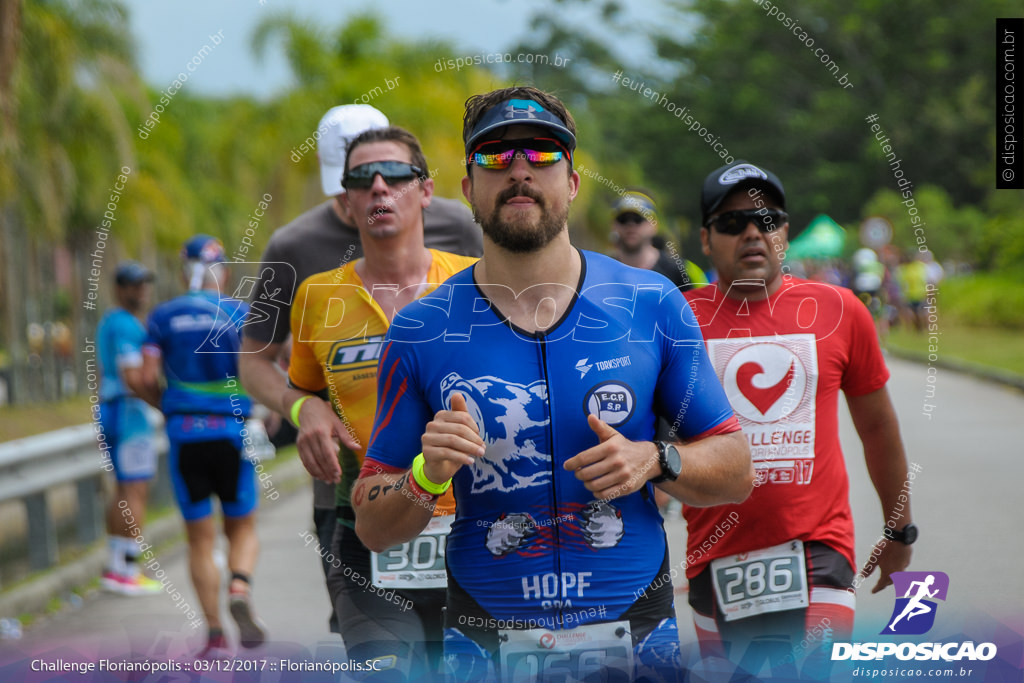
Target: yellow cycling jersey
[[337, 336]]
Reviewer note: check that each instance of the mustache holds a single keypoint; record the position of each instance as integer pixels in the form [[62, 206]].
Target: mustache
[[520, 190]]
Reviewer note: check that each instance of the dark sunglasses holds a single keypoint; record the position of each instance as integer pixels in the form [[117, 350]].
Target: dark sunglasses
[[627, 218], [393, 172], [498, 155], [735, 222]]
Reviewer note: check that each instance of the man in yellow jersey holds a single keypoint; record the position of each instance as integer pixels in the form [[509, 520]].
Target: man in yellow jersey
[[389, 604]]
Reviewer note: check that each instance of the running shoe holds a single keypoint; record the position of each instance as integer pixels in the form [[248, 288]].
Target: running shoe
[[146, 585], [122, 584], [116, 583], [252, 631], [216, 648]]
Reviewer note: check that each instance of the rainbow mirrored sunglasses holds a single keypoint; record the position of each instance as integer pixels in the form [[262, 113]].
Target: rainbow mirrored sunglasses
[[498, 155]]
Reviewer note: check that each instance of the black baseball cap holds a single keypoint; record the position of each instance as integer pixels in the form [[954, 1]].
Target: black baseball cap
[[132, 273], [721, 182]]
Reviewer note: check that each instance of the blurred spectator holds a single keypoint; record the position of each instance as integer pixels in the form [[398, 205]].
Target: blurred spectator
[[913, 278], [634, 231]]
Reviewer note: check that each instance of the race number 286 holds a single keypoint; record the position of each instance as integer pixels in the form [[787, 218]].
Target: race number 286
[[767, 580], [757, 577]]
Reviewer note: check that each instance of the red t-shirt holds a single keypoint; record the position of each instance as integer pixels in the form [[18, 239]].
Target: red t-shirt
[[782, 362]]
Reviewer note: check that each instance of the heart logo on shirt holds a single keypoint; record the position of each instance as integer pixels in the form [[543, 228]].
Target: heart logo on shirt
[[763, 398]]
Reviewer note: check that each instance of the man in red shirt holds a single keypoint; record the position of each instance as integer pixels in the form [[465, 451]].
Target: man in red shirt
[[773, 577]]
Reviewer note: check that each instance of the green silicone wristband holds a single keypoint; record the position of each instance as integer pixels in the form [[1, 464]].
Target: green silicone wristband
[[296, 407], [421, 478]]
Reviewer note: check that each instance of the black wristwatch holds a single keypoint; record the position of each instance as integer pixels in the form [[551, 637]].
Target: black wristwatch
[[907, 535], [670, 461]]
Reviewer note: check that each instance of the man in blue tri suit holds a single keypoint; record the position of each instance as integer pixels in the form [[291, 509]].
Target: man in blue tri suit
[[125, 428], [531, 384], [194, 340]]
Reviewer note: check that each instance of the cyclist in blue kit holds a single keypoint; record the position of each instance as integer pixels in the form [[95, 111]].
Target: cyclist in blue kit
[[531, 384], [194, 340]]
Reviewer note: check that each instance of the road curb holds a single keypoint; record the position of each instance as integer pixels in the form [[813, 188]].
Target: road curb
[[1002, 377], [168, 533]]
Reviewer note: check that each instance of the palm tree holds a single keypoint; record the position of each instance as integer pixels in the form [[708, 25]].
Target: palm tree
[[64, 136], [359, 62]]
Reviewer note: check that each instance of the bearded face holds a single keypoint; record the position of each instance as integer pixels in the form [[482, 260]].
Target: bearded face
[[519, 226]]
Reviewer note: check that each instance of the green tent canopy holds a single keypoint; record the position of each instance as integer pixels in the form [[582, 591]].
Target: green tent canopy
[[822, 239]]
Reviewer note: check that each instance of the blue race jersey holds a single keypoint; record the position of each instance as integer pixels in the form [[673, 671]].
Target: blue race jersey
[[197, 334], [528, 540], [119, 338]]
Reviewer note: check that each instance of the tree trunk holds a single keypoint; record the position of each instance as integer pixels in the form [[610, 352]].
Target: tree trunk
[[10, 229], [14, 308]]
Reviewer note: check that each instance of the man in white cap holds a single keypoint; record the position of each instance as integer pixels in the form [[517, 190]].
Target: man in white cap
[[323, 239]]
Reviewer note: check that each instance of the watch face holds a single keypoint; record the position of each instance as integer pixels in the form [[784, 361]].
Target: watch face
[[675, 462], [909, 533]]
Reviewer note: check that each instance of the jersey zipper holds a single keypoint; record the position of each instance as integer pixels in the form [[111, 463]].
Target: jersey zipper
[[556, 533]]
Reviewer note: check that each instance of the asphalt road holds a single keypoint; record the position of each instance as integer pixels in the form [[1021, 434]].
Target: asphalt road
[[965, 499]]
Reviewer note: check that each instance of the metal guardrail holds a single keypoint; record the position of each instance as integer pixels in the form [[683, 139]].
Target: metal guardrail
[[32, 466]]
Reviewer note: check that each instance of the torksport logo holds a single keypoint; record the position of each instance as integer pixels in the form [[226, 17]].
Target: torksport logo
[[610, 364]]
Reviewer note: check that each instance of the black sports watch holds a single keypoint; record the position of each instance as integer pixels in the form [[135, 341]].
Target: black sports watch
[[907, 535], [670, 460]]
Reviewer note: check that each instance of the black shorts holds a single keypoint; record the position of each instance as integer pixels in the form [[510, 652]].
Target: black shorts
[[401, 627], [209, 467]]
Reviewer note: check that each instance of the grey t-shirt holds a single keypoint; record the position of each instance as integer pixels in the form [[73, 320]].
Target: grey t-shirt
[[318, 241]]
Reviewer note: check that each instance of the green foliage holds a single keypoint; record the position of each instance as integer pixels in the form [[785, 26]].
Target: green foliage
[[62, 173], [991, 239], [745, 77], [1001, 240], [950, 233], [751, 82], [984, 300]]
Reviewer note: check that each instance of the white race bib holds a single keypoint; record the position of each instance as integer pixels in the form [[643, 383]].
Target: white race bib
[[418, 563], [767, 580], [136, 456], [604, 651]]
